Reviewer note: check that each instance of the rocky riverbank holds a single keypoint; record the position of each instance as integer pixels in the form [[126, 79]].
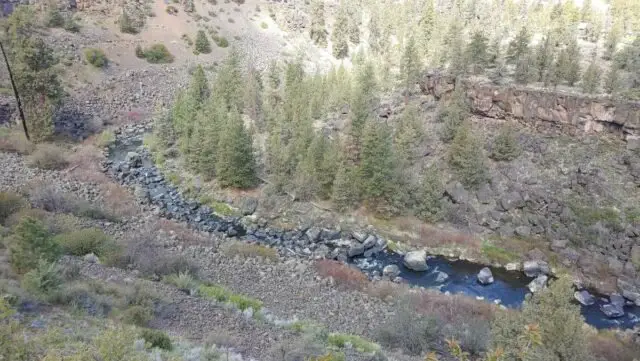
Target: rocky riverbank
[[131, 165]]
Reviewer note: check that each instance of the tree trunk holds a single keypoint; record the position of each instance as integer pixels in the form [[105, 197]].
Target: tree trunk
[[15, 93]]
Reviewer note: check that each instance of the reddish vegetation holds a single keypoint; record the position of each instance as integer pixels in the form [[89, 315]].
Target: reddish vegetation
[[435, 237], [184, 234], [344, 276], [118, 200], [607, 347], [85, 164], [450, 307]]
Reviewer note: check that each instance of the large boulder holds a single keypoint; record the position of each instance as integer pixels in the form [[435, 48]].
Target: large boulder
[[538, 283], [392, 271], [485, 276], [510, 201], [416, 260], [535, 268], [612, 311], [356, 249], [584, 297], [369, 242], [313, 234], [441, 277]]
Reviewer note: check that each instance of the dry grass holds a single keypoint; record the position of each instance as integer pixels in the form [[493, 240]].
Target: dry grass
[[48, 156], [345, 276], [385, 290], [247, 250], [435, 237], [606, 346], [182, 232], [15, 142], [118, 200], [450, 307], [85, 164]]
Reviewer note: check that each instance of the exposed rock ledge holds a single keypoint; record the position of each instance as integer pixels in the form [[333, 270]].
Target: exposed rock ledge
[[569, 113]]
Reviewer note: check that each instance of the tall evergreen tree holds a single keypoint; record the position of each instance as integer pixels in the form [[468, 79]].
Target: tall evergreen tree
[[199, 86], [408, 136], [477, 52], [455, 53], [611, 41], [375, 34], [525, 70], [569, 62], [202, 43], [340, 33], [354, 28], [229, 81], [426, 25], [235, 165], [453, 114], [612, 80], [431, 206], [345, 193], [544, 59], [519, 46], [253, 94], [409, 66], [318, 28], [467, 159], [629, 60], [377, 166], [591, 78]]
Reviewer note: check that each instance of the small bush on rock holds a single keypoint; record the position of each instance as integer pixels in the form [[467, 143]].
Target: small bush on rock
[[182, 280], [139, 52], [221, 294], [43, 280], [54, 18], [158, 54], [96, 57], [127, 24], [221, 41], [156, 338], [85, 241], [505, 146], [71, 25], [412, 332], [29, 244], [342, 340], [137, 315], [246, 250], [467, 158], [48, 156]]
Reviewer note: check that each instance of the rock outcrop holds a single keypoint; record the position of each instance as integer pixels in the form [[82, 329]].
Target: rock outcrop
[[569, 113]]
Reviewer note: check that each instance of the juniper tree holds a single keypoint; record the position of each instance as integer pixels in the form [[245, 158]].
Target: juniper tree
[[345, 193], [230, 81], [409, 66], [339, 35], [33, 66], [430, 206], [570, 67], [202, 44], [591, 78], [544, 59], [453, 114], [127, 25], [199, 86], [466, 158], [235, 164], [477, 52], [377, 165], [408, 136], [505, 146], [317, 28]]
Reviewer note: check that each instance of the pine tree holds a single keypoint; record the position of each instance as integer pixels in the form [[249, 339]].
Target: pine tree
[[586, 14], [340, 33], [611, 42], [316, 171], [377, 166], [426, 25], [235, 165], [408, 136], [591, 78], [525, 70], [409, 66], [456, 51], [430, 206], [253, 94], [354, 29], [202, 44], [163, 128], [229, 82], [519, 46], [544, 59], [453, 114], [505, 147], [495, 52], [345, 190], [629, 60], [375, 34], [612, 80], [199, 87], [571, 64], [467, 159], [317, 29], [277, 163], [126, 23], [363, 101], [477, 52]]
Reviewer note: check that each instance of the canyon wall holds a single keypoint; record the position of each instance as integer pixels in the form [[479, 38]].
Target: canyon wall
[[569, 113]]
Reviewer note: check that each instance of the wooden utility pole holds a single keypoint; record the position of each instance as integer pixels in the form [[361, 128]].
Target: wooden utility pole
[[15, 92]]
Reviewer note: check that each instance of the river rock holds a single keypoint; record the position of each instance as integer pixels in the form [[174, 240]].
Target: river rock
[[248, 205], [538, 283], [616, 299], [313, 234], [356, 249], [416, 260], [584, 297], [360, 236], [91, 258], [369, 242], [441, 277], [392, 271], [485, 276], [513, 266], [133, 159], [535, 268], [612, 311]]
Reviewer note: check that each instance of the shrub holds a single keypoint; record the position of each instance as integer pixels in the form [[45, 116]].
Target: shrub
[[85, 241], [137, 315], [158, 54], [341, 340], [139, 52], [48, 156], [202, 43], [246, 250], [264, 25], [221, 294], [182, 280], [171, 10], [126, 24], [96, 57], [43, 280], [52, 200], [221, 41], [30, 243], [105, 138], [413, 333], [54, 18], [345, 276], [505, 146], [71, 25], [10, 203], [15, 142], [156, 338]]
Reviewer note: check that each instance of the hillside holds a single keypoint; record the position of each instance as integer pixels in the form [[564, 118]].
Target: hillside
[[320, 180]]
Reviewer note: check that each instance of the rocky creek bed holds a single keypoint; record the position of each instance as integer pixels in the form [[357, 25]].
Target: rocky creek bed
[[131, 165]]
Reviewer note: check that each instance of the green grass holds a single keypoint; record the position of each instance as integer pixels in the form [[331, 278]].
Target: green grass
[[589, 215], [397, 247], [221, 294], [498, 254], [105, 138], [219, 208], [340, 340]]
